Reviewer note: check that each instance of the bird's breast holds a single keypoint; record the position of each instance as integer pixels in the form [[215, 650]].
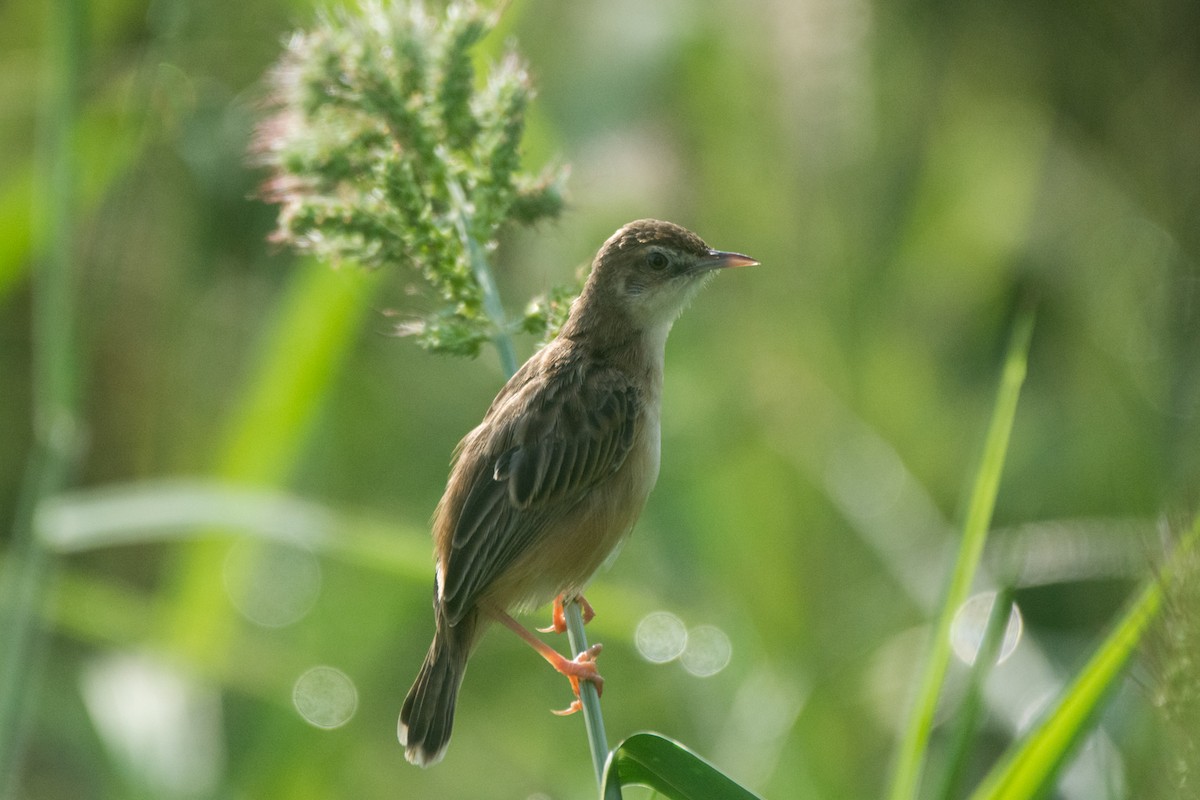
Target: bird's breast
[[646, 455]]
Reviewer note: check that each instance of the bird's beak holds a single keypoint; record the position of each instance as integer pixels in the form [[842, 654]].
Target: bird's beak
[[716, 259]]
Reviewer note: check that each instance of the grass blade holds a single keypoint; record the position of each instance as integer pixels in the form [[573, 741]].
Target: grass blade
[[1034, 764], [907, 778], [970, 712], [57, 434], [314, 327], [180, 510]]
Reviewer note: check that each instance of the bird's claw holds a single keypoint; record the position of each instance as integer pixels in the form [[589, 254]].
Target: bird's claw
[[586, 608], [569, 710], [558, 619], [581, 668], [553, 627]]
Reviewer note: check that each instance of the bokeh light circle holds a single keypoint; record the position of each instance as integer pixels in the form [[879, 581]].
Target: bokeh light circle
[[970, 623], [272, 585], [325, 697], [660, 637], [708, 651]]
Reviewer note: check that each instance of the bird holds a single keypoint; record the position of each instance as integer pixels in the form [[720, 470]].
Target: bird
[[555, 476]]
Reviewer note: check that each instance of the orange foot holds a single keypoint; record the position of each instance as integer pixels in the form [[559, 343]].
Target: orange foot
[[582, 667], [558, 622]]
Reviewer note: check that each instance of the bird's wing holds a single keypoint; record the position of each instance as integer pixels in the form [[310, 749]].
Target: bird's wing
[[570, 433]]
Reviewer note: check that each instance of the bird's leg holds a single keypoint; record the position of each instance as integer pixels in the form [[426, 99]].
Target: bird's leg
[[558, 618], [558, 622], [582, 667]]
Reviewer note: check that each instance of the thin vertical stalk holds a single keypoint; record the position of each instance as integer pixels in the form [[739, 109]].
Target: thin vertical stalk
[[487, 282], [911, 761], [588, 695], [969, 713], [56, 439]]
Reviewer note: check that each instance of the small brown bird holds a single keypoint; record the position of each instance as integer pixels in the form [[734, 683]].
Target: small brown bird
[[555, 476]]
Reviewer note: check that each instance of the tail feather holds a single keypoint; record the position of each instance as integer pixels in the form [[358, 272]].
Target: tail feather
[[427, 716]]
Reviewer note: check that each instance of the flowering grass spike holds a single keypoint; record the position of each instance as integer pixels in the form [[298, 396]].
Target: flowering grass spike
[[385, 149]]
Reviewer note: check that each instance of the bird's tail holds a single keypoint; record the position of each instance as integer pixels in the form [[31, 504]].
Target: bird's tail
[[428, 712]]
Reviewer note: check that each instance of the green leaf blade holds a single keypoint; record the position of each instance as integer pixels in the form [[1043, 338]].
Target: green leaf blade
[[650, 759], [1033, 766], [915, 744]]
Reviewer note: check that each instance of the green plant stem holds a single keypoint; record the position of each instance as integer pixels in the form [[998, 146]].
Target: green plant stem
[[590, 698], [27, 575], [587, 692], [487, 282], [972, 705], [907, 779]]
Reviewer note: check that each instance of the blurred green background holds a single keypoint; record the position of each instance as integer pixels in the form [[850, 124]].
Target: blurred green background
[[259, 457]]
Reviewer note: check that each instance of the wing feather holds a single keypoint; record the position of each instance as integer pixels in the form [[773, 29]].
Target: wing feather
[[558, 436]]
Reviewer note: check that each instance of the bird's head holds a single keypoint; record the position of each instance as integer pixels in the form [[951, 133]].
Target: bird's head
[[648, 270]]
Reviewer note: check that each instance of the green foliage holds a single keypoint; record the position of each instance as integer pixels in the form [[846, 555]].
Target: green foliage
[[1038, 755], [903, 171], [384, 151], [1031, 768], [55, 413], [1174, 642], [650, 759], [915, 744], [546, 312]]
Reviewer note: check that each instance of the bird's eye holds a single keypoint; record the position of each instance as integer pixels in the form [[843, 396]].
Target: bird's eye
[[656, 260]]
